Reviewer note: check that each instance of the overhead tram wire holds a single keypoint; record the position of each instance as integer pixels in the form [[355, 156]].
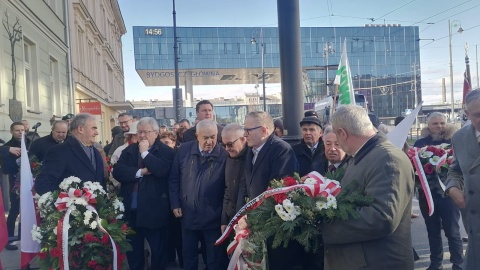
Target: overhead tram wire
[[395, 10], [442, 13]]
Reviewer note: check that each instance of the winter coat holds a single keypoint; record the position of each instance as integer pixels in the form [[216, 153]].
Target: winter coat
[[153, 205], [306, 158], [197, 186], [464, 173], [380, 238]]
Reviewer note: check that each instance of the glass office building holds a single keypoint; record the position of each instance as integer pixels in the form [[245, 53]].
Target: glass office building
[[384, 59]]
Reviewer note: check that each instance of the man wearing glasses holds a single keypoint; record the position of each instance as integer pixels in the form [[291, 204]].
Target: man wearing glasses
[[270, 158], [124, 121], [236, 145], [144, 169]]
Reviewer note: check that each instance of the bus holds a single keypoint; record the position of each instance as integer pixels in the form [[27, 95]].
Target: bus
[[324, 107]]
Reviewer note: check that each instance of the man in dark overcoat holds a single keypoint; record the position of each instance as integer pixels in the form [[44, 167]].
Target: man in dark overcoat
[[143, 170], [236, 145], [463, 185], [75, 157], [40, 146], [197, 186], [310, 150], [269, 158]]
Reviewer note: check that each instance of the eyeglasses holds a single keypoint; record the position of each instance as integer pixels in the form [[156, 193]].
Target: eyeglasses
[[247, 130], [125, 122], [145, 132], [230, 144]]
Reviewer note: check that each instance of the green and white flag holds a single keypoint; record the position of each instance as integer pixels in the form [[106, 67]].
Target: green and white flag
[[344, 79]]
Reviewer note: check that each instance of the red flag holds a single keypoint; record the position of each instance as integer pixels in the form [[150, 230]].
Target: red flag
[[466, 86], [3, 226]]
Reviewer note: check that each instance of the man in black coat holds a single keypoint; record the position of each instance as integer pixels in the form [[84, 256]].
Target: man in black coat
[[236, 145], [310, 149], [40, 147], [75, 157], [270, 158], [332, 159], [11, 168], [204, 110], [197, 186], [144, 169]]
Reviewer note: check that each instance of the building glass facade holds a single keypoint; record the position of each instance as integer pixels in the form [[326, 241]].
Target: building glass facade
[[384, 59]]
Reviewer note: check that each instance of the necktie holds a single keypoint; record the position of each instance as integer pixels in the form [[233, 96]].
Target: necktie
[[332, 168], [204, 153], [313, 149], [92, 157], [255, 154]]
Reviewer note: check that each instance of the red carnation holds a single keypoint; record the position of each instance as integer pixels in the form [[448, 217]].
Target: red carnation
[[92, 264], [289, 181], [450, 152], [431, 148], [42, 255], [279, 198], [428, 168], [55, 252], [124, 227], [105, 239], [89, 238], [107, 158]]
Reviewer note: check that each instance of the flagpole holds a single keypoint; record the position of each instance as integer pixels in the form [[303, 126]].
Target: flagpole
[[335, 99]]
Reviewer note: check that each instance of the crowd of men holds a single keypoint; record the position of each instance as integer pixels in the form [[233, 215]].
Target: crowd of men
[[180, 189]]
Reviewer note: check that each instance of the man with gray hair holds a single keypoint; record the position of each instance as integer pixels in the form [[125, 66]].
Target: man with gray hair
[[75, 157], [463, 186], [197, 185], [446, 215], [236, 145], [144, 169], [270, 158], [380, 238]]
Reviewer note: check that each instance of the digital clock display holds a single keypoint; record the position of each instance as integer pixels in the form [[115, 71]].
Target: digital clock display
[[153, 31]]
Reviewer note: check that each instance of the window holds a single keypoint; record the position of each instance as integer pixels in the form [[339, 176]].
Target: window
[[31, 76], [55, 87]]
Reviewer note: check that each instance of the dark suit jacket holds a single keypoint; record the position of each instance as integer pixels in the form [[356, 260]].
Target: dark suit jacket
[[40, 146], [321, 166], [306, 159], [275, 160], [197, 186], [64, 160], [153, 205]]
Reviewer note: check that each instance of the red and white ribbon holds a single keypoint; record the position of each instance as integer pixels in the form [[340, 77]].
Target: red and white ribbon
[[423, 181], [323, 187], [65, 197], [64, 223], [236, 247]]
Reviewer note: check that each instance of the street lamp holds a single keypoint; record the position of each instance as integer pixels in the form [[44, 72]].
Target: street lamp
[[262, 43], [327, 49], [455, 23]]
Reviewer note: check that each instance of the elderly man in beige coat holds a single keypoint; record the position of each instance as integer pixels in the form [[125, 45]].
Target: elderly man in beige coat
[[463, 185], [380, 238]]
